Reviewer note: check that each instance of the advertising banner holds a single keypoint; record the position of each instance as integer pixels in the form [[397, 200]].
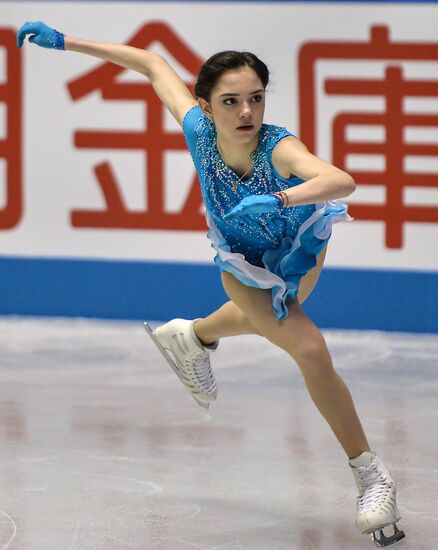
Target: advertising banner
[[93, 167]]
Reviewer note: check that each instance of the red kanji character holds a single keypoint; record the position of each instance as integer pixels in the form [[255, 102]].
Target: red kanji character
[[393, 88], [10, 144], [154, 141]]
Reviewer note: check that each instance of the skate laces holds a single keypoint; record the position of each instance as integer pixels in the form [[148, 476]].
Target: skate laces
[[373, 486], [202, 370]]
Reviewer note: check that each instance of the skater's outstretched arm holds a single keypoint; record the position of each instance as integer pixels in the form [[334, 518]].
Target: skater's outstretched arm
[[168, 85]]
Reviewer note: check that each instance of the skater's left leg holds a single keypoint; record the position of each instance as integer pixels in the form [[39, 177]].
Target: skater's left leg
[[229, 319], [299, 337], [377, 503], [310, 279]]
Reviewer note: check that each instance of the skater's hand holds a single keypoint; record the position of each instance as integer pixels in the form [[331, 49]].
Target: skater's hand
[[40, 34], [254, 204]]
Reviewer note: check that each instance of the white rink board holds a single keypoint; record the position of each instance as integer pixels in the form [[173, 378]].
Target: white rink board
[[59, 178]]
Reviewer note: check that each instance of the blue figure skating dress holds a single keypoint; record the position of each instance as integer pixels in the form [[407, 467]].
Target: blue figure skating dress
[[271, 250]]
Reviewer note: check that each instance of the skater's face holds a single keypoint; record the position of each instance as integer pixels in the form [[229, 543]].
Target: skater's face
[[237, 105]]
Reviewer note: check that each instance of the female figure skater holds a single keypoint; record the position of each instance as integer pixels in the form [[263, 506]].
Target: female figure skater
[[270, 206]]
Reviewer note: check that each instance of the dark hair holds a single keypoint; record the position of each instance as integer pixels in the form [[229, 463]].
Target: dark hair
[[220, 62]]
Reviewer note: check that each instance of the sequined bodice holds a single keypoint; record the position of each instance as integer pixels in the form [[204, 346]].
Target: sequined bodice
[[222, 189]]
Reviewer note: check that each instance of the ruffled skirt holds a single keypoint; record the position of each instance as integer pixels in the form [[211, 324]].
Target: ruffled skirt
[[285, 265]]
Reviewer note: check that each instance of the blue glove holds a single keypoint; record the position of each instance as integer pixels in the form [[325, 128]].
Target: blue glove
[[255, 204], [42, 35]]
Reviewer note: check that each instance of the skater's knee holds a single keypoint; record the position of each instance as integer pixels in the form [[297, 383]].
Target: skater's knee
[[243, 324], [247, 326], [312, 356]]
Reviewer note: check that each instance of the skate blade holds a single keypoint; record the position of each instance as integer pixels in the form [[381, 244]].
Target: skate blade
[[172, 364], [385, 540]]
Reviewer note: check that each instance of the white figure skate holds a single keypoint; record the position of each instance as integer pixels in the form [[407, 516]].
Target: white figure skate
[[190, 359], [376, 503]]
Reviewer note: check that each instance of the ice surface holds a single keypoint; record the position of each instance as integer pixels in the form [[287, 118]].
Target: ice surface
[[102, 448]]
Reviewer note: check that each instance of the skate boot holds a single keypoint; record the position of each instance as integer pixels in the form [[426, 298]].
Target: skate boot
[[376, 503], [190, 359]]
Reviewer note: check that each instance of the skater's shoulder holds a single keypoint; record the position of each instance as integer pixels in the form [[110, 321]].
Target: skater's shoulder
[[197, 122]]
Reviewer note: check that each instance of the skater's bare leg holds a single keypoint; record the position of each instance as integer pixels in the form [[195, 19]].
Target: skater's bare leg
[[310, 279], [229, 320], [299, 337]]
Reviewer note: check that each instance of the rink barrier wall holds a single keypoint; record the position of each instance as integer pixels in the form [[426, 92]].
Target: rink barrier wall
[[155, 291], [329, 2]]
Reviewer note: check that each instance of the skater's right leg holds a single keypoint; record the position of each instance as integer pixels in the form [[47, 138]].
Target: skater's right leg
[[192, 341], [188, 357], [228, 320]]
